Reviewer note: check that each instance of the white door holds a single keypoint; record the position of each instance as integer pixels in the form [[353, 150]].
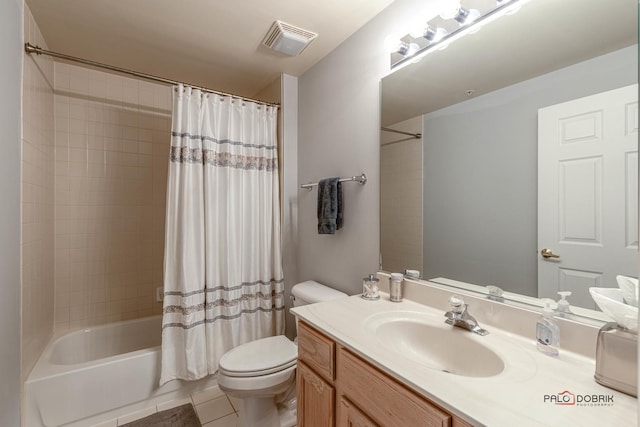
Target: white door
[[588, 193]]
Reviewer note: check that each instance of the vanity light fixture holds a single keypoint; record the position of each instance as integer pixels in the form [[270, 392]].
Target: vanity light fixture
[[431, 35]]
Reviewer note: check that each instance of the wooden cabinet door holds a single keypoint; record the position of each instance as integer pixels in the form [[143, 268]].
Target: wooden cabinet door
[[316, 399], [386, 400], [350, 416]]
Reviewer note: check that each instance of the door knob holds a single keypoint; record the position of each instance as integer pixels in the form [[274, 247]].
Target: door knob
[[546, 253]]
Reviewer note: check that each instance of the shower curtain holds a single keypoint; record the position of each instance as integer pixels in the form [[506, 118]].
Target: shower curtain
[[223, 283]]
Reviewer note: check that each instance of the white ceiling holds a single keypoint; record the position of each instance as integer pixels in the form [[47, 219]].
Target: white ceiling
[[212, 43]]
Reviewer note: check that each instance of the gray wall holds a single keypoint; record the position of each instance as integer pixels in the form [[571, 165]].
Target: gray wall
[[10, 84], [339, 135], [480, 174]]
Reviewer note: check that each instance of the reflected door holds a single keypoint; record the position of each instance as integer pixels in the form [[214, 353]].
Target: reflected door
[[587, 193]]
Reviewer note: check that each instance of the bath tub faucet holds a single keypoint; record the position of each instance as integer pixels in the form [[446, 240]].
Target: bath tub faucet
[[459, 316]]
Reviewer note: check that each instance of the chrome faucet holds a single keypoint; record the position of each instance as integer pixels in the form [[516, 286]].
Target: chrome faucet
[[459, 316]]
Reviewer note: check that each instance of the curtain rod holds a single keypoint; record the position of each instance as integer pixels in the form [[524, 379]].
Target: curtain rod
[[415, 135], [29, 48]]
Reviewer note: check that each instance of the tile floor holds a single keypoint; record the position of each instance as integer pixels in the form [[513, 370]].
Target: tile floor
[[213, 406]]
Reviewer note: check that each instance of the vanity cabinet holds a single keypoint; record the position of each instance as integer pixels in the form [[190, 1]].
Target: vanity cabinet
[[337, 386]]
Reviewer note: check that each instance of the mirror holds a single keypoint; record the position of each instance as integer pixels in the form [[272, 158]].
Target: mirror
[[460, 202]]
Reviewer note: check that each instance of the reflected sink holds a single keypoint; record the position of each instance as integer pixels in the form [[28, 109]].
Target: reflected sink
[[442, 347]]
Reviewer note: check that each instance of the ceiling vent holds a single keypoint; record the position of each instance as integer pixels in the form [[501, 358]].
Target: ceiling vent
[[288, 39]]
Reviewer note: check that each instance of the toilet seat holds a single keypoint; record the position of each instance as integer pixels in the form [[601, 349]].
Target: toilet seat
[[260, 357], [257, 386]]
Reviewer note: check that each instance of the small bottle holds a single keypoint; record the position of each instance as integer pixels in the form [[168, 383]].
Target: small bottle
[[547, 330], [395, 287]]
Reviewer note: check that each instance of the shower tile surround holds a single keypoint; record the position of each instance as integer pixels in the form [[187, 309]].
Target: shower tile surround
[[112, 138], [401, 198], [37, 200]]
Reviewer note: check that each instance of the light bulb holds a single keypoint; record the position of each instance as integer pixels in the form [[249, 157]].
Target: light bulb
[[473, 15], [412, 49], [417, 30], [454, 10], [392, 43], [450, 10], [403, 48], [466, 17], [431, 34], [434, 35], [417, 27]]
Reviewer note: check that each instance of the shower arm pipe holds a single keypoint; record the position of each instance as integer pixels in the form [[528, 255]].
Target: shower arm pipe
[[360, 179], [30, 49]]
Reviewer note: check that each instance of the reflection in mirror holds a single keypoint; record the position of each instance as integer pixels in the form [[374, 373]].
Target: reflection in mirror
[[462, 202]]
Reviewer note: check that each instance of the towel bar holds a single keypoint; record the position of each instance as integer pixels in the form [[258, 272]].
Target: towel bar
[[360, 179]]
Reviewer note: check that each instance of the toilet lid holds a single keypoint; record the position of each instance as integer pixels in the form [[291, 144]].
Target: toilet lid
[[259, 357]]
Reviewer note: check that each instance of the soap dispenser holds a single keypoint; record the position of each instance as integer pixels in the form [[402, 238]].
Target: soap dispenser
[[563, 304], [547, 330]]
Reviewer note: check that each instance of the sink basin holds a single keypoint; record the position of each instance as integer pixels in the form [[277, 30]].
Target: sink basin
[[448, 349]]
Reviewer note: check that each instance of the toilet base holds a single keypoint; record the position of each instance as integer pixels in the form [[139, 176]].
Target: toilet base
[[268, 400], [260, 412], [270, 411], [263, 412]]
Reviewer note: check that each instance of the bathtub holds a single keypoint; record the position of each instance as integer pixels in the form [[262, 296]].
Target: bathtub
[[96, 374]]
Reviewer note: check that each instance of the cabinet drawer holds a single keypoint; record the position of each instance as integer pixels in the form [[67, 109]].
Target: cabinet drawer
[[384, 399], [317, 351]]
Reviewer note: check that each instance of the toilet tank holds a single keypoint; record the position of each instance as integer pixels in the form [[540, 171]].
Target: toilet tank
[[310, 292]]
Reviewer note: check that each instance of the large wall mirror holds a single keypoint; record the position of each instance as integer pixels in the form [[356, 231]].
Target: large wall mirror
[[477, 187]]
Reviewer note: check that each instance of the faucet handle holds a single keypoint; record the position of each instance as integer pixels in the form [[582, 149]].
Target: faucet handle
[[457, 304]]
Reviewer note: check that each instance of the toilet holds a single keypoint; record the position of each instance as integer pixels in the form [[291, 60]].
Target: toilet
[[262, 372]]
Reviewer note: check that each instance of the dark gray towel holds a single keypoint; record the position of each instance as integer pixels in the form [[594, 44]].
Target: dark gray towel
[[329, 205]]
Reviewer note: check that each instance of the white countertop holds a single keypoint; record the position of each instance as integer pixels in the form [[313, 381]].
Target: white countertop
[[515, 397]]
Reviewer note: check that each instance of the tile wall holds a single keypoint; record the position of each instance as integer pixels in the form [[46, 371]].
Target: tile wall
[[401, 198], [37, 197], [112, 136]]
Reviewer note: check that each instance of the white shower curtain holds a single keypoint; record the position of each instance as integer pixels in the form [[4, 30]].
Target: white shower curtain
[[223, 283]]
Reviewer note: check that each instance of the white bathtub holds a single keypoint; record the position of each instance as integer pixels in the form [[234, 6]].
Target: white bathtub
[[95, 374]]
